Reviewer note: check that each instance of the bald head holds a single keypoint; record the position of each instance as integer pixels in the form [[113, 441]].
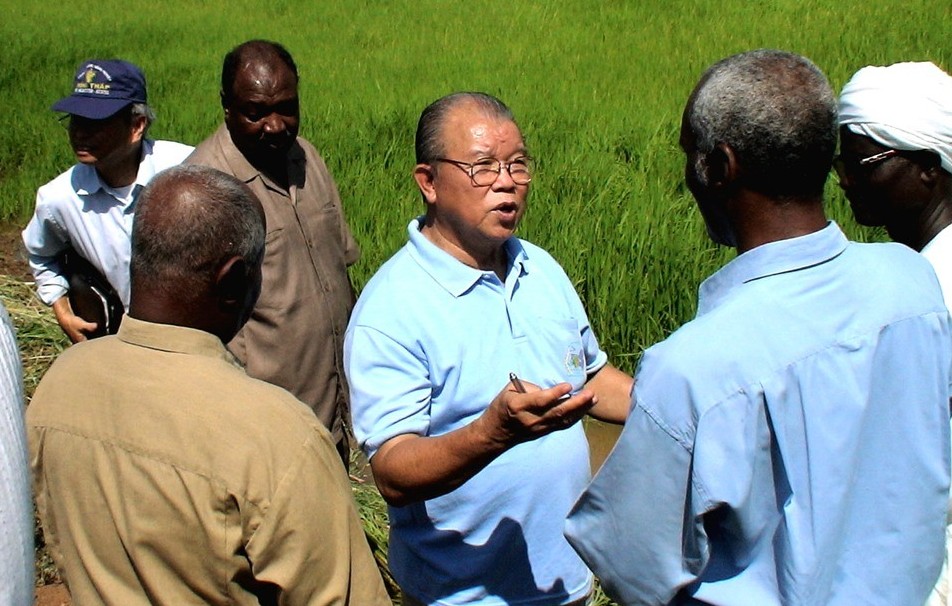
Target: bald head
[[257, 52], [430, 142], [192, 224], [776, 111]]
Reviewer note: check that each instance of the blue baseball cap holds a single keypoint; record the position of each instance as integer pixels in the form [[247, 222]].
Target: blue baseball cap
[[102, 88]]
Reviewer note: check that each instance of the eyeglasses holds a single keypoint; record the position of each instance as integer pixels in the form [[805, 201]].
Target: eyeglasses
[[485, 172], [842, 167]]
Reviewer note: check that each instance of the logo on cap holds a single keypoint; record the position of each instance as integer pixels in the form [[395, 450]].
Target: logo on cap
[[102, 88]]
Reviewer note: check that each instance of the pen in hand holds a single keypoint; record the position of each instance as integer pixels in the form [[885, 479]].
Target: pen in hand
[[520, 388]]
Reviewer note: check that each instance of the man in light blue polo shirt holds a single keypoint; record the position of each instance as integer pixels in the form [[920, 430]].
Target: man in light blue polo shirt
[[479, 469], [790, 445]]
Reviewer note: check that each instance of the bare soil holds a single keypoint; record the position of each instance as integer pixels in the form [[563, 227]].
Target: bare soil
[[52, 595], [12, 255]]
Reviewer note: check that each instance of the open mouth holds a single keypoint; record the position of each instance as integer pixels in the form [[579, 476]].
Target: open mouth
[[507, 210]]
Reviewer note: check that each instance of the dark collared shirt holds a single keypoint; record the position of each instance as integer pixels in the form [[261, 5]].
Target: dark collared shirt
[[295, 335]]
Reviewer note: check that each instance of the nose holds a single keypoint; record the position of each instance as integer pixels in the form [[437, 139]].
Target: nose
[[843, 180], [79, 126], [274, 124], [503, 180]]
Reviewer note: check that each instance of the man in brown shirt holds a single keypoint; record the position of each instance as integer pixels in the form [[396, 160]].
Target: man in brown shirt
[[163, 473], [295, 335]]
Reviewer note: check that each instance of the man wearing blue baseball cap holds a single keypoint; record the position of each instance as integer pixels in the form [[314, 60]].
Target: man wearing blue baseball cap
[[83, 218]]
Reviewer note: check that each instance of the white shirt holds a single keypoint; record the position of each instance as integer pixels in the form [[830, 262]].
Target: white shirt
[[77, 209], [939, 252]]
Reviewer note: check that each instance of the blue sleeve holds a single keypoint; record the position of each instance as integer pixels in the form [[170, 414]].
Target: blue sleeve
[[389, 388], [636, 525]]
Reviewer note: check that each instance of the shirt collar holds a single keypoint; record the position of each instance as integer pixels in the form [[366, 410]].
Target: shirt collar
[[173, 339], [782, 256], [87, 182], [453, 275], [242, 169]]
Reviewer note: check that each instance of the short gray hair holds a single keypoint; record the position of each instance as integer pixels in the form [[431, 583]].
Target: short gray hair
[[145, 111], [429, 134], [189, 220], [776, 110]]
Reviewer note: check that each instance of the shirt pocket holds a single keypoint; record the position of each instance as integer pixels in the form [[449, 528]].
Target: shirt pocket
[[552, 352]]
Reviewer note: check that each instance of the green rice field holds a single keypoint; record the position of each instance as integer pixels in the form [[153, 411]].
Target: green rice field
[[597, 86]]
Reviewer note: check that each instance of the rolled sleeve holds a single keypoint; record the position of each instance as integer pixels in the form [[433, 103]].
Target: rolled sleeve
[[389, 386]]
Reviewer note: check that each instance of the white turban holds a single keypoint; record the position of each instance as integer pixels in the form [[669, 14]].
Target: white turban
[[905, 106]]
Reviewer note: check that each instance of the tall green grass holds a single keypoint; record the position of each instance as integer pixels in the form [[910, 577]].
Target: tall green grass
[[598, 87]]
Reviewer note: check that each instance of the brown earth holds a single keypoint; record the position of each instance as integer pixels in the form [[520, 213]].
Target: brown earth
[[52, 595], [12, 256]]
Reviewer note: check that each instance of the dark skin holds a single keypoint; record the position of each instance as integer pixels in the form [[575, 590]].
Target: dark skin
[[909, 193], [736, 215], [220, 310], [262, 113], [222, 307]]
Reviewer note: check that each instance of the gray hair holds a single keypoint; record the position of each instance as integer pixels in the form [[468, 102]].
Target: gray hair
[[777, 112], [143, 110], [189, 220], [429, 134]]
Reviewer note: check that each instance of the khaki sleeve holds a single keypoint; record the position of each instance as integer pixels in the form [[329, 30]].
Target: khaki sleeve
[[310, 543]]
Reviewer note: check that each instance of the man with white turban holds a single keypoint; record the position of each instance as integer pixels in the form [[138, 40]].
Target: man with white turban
[[895, 166], [895, 162], [788, 446]]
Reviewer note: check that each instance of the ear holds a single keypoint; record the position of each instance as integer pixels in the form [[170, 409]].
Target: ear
[[424, 176], [931, 170], [232, 283], [224, 102], [139, 124], [722, 167]]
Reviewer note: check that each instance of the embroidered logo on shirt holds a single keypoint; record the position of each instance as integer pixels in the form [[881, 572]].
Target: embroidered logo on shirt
[[574, 360]]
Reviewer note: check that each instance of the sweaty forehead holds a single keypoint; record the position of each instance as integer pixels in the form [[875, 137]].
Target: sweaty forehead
[[268, 76], [471, 130], [855, 143]]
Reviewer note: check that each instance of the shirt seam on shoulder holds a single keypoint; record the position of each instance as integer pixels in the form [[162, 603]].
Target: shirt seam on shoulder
[[131, 449]]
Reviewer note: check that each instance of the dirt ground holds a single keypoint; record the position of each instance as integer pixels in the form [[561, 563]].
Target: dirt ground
[[12, 257], [52, 595]]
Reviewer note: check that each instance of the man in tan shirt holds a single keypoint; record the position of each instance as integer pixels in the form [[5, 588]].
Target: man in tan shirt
[[163, 473], [295, 335]]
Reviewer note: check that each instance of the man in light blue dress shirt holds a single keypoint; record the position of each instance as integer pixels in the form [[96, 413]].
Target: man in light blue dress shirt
[[89, 208], [790, 445]]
